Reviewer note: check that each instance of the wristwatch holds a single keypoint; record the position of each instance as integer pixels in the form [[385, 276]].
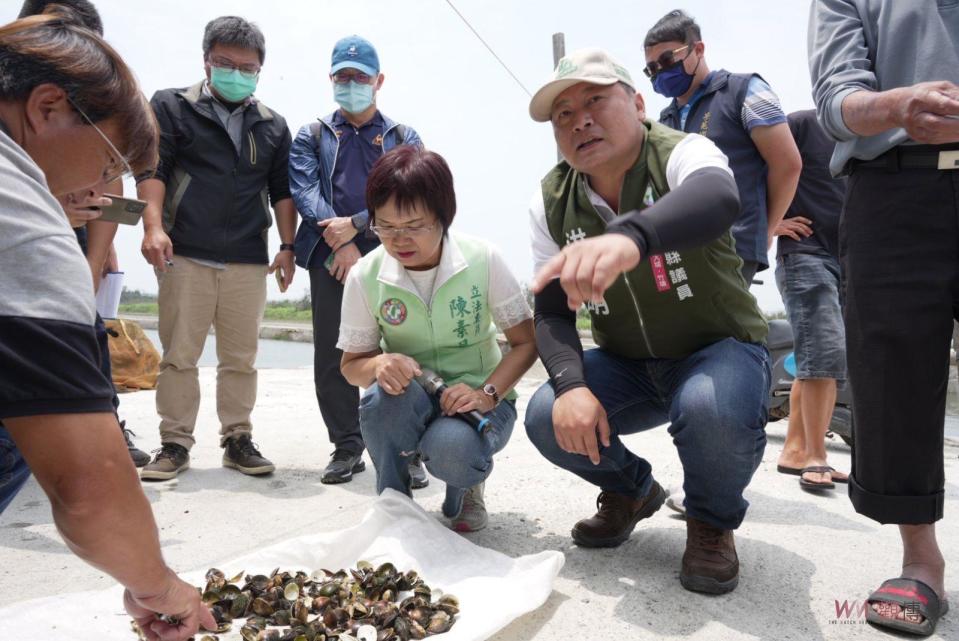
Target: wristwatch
[[287, 247], [490, 390]]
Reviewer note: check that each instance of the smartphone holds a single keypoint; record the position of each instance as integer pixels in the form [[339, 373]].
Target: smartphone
[[126, 211], [329, 261]]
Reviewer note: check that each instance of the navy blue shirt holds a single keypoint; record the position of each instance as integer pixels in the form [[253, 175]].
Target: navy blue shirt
[[819, 196], [357, 151]]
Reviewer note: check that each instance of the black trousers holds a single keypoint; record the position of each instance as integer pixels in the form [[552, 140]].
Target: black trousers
[[339, 401], [899, 248]]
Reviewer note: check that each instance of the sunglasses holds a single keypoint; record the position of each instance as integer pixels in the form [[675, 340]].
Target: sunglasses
[[666, 60]]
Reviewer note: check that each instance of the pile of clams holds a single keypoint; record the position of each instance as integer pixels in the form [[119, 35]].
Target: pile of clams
[[362, 604]]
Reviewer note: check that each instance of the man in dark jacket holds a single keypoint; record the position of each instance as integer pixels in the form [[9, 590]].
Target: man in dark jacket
[[223, 161], [329, 161], [738, 112]]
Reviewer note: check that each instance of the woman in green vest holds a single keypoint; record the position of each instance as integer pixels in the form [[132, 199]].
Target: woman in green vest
[[428, 303]]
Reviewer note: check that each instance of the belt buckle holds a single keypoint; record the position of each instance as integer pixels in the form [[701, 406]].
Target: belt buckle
[[949, 159]]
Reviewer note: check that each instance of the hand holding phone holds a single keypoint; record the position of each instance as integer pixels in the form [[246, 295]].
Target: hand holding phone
[[126, 211]]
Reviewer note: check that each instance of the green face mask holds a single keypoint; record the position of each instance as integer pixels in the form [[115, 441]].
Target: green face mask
[[233, 84]]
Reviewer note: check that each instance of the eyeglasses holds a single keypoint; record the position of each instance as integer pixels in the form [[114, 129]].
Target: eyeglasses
[[229, 65], [666, 59], [118, 167], [343, 77], [393, 232]]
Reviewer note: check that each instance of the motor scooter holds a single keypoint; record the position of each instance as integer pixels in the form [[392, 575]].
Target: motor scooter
[[780, 344]]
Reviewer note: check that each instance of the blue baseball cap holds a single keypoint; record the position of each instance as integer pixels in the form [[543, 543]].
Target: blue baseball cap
[[354, 52]]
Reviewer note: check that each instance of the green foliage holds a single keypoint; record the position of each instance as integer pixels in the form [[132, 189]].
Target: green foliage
[[136, 296]]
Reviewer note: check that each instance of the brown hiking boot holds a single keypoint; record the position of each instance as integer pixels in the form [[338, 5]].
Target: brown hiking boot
[[616, 516], [710, 563]]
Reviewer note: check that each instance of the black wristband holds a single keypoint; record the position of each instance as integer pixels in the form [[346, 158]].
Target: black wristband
[[287, 247]]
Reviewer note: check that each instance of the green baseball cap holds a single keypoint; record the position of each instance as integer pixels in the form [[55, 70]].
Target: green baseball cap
[[594, 66]]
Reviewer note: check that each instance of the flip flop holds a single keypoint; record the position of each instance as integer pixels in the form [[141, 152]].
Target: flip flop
[[816, 486], [911, 595], [796, 471]]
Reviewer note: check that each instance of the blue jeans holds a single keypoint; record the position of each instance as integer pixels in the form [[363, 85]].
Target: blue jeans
[[715, 401], [13, 469], [395, 427], [809, 284]]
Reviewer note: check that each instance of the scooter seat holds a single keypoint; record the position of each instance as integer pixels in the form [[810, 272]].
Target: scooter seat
[[780, 335]]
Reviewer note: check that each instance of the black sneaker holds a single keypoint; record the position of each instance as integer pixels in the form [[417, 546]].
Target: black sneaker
[[140, 458], [342, 466], [418, 478], [240, 453], [171, 459]]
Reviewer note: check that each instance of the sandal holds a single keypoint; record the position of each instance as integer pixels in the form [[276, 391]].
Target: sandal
[[914, 597], [815, 486], [796, 471]]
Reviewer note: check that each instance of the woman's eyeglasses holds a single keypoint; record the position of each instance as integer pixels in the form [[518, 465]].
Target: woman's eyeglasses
[[118, 167], [394, 232]]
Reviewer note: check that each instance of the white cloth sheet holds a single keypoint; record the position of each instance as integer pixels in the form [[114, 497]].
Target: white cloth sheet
[[493, 588]]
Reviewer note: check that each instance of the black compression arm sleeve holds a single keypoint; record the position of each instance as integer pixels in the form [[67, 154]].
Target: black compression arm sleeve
[[557, 339], [696, 212]]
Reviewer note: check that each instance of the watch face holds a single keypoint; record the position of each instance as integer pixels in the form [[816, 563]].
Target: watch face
[[489, 389]]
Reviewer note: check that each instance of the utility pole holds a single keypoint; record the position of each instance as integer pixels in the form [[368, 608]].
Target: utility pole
[[559, 50]]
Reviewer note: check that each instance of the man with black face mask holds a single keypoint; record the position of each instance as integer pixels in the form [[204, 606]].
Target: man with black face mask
[[738, 112], [329, 162]]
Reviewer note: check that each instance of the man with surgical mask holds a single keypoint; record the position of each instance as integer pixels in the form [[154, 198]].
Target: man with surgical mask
[[329, 161], [224, 160], [738, 112]]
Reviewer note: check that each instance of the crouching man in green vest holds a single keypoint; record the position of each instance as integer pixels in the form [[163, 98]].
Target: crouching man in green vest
[[427, 302], [635, 224]]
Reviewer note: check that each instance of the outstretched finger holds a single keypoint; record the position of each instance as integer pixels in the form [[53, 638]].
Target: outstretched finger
[[602, 427], [590, 447], [551, 270]]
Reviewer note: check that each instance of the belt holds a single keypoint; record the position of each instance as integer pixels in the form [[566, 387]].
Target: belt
[[912, 157]]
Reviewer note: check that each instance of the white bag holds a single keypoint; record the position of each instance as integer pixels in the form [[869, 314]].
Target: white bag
[[493, 589]]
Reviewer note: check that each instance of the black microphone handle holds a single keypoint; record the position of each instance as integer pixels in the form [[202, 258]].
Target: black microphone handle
[[474, 418]]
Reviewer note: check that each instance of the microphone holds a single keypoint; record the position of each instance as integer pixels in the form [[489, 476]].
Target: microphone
[[434, 385]]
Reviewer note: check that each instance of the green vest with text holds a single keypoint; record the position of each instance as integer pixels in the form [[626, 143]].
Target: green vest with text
[[671, 304], [453, 334]]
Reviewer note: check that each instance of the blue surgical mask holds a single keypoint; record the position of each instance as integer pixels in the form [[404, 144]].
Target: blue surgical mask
[[673, 82], [353, 97], [234, 85]]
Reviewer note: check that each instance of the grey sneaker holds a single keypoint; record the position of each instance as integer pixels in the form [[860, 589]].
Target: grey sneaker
[[418, 478], [240, 453], [170, 460], [342, 466], [472, 516], [140, 458]]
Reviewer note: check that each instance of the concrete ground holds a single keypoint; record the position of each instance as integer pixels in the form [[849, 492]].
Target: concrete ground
[[804, 558]]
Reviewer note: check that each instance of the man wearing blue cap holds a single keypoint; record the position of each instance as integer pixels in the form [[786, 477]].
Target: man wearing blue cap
[[329, 162]]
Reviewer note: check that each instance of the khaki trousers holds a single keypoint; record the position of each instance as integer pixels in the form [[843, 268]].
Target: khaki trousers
[[192, 298]]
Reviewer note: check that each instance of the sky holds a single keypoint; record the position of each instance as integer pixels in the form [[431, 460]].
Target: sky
[[442, 81]]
